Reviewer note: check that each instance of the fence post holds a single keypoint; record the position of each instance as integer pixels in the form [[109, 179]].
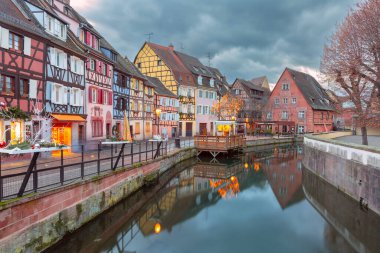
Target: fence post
[[35, 179], [61, 170], [146, 151], [152, 150], [122, 158], [82, 162], [140, 152], [166, 148], [111, 156], [99, 147], [132, 153]]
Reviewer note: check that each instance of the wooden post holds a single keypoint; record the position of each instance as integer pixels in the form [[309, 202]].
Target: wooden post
[[99, 147], [27, 175], [111, 156], [132, 153], [82, 163]]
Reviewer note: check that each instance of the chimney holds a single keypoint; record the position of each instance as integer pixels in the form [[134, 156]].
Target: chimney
[[171, 47]]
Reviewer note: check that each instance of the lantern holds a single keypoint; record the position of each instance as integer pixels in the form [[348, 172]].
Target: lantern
[[246, 165], [157, 228]]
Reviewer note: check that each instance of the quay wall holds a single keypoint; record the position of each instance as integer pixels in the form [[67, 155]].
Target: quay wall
[[33, 223], [353, 169]]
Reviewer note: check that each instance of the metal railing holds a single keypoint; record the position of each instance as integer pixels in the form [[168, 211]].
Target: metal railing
[[63, 169]]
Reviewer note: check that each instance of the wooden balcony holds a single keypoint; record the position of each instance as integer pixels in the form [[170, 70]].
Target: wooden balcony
[[219, 144]]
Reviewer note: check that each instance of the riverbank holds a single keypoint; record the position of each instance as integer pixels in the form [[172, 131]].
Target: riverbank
[[34, 223]]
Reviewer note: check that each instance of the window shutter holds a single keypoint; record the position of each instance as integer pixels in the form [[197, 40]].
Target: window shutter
[[4, 43], [72, 63], [53, 57], [65, 92], [100, 96], [33, 89], [88, 64], [110, 98], [27, 46], [53, 92], [72, 94], [88, 38], [64, 60], [161, 101], [90, 95], [109, 71], [81, 67], [81, 98]]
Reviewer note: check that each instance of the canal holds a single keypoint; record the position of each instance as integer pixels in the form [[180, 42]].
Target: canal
[[262, 201]]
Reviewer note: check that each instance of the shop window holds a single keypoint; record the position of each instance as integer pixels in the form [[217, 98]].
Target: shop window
[[137, 128], [147, 127]]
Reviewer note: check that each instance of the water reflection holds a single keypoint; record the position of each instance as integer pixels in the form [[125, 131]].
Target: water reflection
[[202, 208]]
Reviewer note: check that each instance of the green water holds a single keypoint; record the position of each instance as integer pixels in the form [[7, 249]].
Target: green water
[[263, 201]]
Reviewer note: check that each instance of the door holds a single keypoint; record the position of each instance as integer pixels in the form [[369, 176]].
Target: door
[[80, 134], [108, 130], [189, 129], [203, 128], [174, 132]]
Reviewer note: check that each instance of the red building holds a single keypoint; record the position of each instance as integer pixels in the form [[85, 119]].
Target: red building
[[22, 53], [299, 104]]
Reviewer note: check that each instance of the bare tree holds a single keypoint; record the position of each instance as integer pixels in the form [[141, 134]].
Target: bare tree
[[351, 60]]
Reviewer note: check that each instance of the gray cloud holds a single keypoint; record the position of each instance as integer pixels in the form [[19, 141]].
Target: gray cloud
[[246, 38]]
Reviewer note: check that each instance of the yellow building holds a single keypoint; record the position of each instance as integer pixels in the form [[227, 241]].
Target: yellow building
[[163, 63]]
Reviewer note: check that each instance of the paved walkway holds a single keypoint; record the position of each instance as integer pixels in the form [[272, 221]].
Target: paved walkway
[[357, 139]]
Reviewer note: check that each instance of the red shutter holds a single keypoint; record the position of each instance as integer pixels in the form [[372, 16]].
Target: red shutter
[[90, 94], [100, 96], [110, 98], [109, 71], [88, 38], [100, 67], [88, 63]]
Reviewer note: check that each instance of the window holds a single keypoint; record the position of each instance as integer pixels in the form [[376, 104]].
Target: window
[[188, 78], [75, 97], [139, 65], [147, 127], [92, 64], [212, 82], [15, 42], [285, 86], [294, 100], [137, 128], [285, 100], [24, 87], [105, 97], [205, 110], [159, 63], [199, 109], [104, 69], [301, 129], [269, 115], [301, 114], [321, 115], [199, 80], [77, 65], [285, 115], [97, 128], [7, 84], [94, 96], [276, 101]]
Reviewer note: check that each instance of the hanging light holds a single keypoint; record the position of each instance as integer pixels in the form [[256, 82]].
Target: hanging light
[[246, 165], [157, 228]]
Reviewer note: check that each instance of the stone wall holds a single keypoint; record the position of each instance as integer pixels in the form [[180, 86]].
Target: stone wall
[[272, 141], [34, 223], [353, 169]]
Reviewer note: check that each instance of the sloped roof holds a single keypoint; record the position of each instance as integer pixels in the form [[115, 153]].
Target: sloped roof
[[194, 65], [172, 60], [71, 41], [160, 88], [17, 14], [250, 85], [312, 91], [221, 81], [258, 80]]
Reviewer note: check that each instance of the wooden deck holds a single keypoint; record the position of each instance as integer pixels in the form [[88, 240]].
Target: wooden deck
[[219, 144]]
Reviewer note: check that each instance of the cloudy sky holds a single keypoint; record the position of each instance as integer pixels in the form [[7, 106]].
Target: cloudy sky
[[245, 38]]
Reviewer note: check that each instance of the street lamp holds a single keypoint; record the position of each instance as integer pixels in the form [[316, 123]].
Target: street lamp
[[158, 113], [233, 118]]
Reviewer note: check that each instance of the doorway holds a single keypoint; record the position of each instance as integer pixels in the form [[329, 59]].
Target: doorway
[[189, 129], [203, 128]]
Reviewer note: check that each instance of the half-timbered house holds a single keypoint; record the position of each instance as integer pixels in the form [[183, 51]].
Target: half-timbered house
[[99, 73], [166, 119], [163, 63], [65, 76], [22, 56]]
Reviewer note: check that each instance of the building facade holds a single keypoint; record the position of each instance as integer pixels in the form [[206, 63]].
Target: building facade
[[22, 57], [254, 93], [299, 104], [205, 94], [166, 103], [163, 63]]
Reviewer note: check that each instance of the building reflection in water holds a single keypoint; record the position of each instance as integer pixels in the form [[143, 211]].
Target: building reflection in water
[[358, 227], [203, 184]]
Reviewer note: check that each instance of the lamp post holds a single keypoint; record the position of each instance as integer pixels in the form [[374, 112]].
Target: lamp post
[[158, 113]]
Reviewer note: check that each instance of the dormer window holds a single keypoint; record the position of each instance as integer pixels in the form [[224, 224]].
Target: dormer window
[[200, 80], [55, 27], [159, 63], [212, 82]]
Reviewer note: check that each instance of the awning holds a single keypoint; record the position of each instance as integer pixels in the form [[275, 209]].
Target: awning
[[68, 118]]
